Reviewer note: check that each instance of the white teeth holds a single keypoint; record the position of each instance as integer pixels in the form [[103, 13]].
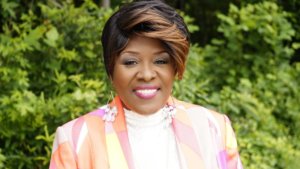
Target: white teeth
[[147, 91]]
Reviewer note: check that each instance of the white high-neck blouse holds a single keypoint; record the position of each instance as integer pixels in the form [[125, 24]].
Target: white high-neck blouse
[[152, 141]]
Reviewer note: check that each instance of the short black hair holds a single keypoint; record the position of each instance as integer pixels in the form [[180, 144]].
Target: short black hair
[[147, 18]]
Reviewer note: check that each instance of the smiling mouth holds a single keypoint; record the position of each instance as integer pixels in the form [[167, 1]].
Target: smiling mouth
[[146, 93]]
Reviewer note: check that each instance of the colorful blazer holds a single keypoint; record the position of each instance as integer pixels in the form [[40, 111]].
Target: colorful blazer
[[205, 140]]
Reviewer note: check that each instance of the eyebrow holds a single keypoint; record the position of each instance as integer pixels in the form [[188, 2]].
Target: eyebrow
[[135, 52]]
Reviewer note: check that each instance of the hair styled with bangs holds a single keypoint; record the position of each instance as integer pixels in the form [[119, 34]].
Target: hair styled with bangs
[[146, 18]]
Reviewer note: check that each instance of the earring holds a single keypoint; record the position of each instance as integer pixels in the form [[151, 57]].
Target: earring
[[169, 112], [110, 111]]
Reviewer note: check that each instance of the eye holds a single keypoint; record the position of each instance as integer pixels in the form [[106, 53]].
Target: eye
[[129, 62], [161, 61]]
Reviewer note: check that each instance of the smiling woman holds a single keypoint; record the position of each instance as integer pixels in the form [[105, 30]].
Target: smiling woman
[[145, 46], [143, 75]]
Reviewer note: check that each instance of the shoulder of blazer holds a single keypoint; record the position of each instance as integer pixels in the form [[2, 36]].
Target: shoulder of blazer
[[77, 129], [220, 118]]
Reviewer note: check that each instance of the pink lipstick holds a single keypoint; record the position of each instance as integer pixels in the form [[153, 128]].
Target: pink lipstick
[[146, 92]]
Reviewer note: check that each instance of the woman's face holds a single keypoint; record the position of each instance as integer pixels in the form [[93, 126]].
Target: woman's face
[[143, 75]]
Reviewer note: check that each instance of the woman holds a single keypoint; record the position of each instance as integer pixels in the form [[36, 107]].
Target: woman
[[145, 46]]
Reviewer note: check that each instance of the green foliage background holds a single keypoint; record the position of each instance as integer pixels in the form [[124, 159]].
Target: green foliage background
[[51, 71]]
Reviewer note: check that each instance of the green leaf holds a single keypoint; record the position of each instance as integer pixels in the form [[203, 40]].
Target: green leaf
[[52, 36]]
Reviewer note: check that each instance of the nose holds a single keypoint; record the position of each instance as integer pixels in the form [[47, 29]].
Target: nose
[[146, 73]]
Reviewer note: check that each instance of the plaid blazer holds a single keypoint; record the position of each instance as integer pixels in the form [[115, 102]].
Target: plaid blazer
[[205, 140]]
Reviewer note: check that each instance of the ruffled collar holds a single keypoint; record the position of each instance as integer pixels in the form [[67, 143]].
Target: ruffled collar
[[163, 115]]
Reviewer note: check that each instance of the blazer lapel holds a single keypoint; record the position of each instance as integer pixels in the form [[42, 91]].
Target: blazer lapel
[[118, 147], [188, 145]]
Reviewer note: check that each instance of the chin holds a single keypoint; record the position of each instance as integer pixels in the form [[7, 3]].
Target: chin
[[147, 110]]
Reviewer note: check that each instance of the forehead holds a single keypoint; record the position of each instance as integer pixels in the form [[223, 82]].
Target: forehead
[[139, 43]]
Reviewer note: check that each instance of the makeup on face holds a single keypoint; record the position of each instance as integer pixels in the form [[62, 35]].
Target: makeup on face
[[143, 75]]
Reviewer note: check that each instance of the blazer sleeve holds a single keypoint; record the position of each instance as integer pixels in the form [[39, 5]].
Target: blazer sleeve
[[232, 155], [63, 154]]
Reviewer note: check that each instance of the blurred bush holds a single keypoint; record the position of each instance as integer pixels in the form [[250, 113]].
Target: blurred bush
[[247, 74], [51, 71]]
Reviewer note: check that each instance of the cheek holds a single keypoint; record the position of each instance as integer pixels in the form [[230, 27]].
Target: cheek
[[117, 83], [118, 77], [121, 78], [169, 77]]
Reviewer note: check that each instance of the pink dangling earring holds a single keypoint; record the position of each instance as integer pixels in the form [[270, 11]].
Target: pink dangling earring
[[169, 112], [110, 111]]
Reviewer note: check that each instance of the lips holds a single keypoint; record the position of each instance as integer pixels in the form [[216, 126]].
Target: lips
[[146, 92]]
